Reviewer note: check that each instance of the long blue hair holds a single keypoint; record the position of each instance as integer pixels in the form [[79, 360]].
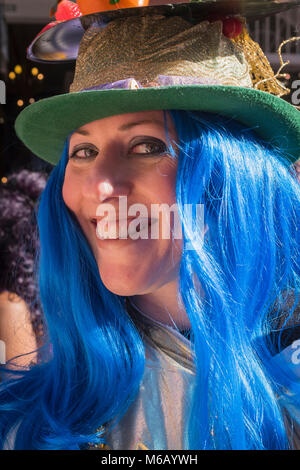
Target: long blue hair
[[246, 265]]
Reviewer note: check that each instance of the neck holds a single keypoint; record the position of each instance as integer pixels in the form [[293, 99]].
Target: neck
[[163, 305]]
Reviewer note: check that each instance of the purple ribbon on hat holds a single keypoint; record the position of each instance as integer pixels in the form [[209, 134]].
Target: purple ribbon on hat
[[162, 80]]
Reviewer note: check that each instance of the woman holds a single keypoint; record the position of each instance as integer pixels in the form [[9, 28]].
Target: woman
[[162, 343]]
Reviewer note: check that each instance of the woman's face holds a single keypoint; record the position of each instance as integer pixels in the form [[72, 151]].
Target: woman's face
[[125, 155]]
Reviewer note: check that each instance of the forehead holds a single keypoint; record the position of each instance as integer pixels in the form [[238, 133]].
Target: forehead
[[127, 121]]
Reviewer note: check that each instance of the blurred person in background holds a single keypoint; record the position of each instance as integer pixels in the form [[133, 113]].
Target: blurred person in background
[[21, 328]]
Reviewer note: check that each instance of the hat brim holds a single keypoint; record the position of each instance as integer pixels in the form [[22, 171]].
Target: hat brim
[[45, 125], [60, 43]]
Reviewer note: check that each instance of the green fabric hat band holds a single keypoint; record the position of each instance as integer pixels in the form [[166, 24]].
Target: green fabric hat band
[[45, 125]]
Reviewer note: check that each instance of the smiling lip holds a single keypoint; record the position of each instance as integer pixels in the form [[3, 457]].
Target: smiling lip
[[94, 221]]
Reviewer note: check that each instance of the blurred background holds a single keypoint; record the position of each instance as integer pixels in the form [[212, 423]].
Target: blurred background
[[26, 81]]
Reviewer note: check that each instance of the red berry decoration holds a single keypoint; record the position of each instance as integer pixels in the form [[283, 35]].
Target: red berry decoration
[[232, 27], [66, 10]]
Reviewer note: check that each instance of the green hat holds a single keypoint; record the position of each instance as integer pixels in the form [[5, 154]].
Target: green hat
[[162, 62]]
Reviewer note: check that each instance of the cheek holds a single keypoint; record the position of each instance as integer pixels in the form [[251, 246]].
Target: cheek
[[163, 181], [159, 188], [71, 190]]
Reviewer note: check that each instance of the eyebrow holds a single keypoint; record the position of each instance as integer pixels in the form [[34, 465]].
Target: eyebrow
[[126, 127]]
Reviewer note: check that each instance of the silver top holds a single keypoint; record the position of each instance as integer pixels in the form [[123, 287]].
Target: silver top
[[152, 421], [158, 417]]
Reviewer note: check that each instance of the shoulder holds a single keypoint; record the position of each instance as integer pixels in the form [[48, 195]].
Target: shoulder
[[16, 331], [9, 301], [13, 309]]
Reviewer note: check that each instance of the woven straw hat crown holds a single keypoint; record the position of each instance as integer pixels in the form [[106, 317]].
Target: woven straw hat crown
[[147, 47], [151, 46]]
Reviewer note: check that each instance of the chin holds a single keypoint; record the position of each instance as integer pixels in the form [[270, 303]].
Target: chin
[[123, 285]]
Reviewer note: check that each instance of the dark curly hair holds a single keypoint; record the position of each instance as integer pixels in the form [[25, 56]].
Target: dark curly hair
[[19, 242]]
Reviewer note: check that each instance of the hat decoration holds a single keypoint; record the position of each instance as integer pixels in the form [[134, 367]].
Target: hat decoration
[[65, 10], [161, 59], [61, 38]]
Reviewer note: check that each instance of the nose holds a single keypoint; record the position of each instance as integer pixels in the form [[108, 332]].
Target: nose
[[106, 180]]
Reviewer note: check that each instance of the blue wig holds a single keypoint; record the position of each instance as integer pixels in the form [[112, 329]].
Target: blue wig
[[247, 264]]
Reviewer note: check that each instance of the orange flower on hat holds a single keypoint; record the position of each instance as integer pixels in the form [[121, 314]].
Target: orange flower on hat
[[94, 6]]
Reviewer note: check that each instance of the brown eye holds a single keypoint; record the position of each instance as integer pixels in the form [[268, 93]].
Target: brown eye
[[153, 147], [83, 153]]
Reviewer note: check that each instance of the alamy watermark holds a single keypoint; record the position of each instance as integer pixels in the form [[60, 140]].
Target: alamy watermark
[[2, 92], [296, 354], [295, 95], [2, 352], [137, 222]]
